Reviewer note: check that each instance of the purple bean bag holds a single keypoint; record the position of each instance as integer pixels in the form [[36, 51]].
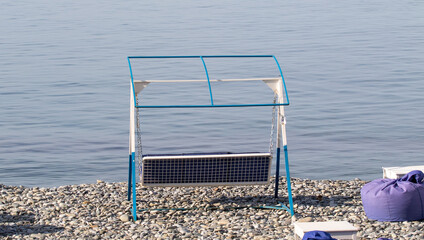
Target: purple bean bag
[[317, 235], [395, 200]]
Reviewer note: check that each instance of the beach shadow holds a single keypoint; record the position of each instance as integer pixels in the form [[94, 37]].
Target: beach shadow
[[247, 201], [12, 225], [16, 218], [269, 200], [319, 200]]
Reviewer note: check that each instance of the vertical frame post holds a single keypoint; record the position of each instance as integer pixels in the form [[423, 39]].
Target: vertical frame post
[[282, 133], [131, 172], [278, 90], [131, 140], [282, 137], [129, 176], [289, 190], [134, 195], [277, 172]]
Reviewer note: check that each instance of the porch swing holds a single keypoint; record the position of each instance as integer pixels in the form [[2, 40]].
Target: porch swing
[[207, 169]]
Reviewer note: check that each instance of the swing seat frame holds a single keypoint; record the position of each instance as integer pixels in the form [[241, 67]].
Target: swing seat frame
[[216, 169], [209, 169]]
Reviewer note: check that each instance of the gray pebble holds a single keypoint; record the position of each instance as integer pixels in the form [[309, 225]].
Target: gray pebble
[[124, 218]]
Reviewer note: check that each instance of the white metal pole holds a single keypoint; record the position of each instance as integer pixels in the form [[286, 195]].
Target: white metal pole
[[132, 120], [131, 176], [278, 90], [131, 140]]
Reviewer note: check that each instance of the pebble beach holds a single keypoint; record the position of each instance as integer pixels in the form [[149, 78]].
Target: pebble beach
[[101, 211]]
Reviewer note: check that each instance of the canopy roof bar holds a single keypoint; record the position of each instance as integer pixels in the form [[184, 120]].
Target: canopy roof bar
[[204, 56], [212, 106], [143, 83], [207, 76], [205, 80]]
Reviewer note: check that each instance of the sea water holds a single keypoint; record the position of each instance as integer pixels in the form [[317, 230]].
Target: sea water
[[354, 72]]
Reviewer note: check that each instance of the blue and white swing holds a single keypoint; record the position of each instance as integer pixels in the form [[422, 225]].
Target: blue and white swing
[[208, 169]]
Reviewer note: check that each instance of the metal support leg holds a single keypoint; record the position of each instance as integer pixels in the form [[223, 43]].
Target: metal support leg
[[134, 198], [277, 173], [129, 177], [286, 157]]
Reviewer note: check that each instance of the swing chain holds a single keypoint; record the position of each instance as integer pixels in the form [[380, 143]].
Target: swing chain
[[271, 138], [138, 133]]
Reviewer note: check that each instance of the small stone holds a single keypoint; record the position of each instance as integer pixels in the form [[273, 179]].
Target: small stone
[[124, 218], [223, 222], [183, 230], [305, 219], [259, 238], [287, 222], [261, 213]]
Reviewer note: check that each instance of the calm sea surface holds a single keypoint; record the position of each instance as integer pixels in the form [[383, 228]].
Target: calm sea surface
[[354, 72]]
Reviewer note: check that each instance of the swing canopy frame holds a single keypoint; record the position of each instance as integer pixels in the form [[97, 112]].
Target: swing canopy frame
[[171, 170]]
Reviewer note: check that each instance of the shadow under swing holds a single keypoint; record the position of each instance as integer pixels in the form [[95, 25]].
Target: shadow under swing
[[208, 169]]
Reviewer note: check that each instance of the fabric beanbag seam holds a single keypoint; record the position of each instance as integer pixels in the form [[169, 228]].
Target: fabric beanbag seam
[[421, 201], [388, 207]]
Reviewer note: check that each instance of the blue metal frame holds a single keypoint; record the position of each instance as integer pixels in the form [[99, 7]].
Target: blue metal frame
[[277, 172], [134, 195], [286, 157], [129, 177], [131, 173], [286, 103], [209, 82]]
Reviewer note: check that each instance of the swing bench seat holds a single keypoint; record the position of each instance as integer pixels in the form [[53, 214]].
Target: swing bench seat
[[206, 169]]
